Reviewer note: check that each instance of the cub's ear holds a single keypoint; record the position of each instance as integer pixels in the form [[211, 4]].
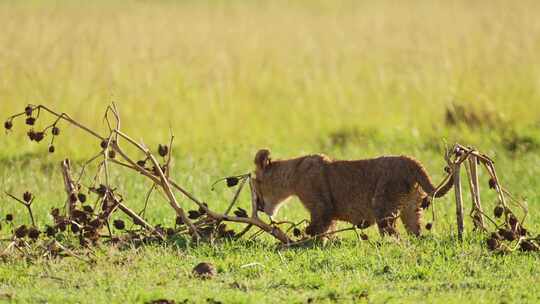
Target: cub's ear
[[262, 158]]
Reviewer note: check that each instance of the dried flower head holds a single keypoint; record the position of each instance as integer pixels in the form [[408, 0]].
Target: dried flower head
[[55, 131], [297, 232], [429, 226], [21, 231], [33, 233], [30, 121], [75, 228], [240, 212], [88, 209], [492, 183], [141, 163], [194, 214], [498, 211], [82, 197], [50, 231], [507, 234], [232, 181], [9, 217], [493, 244], [27, 196], [28, 110], [39, 136], [364, 237], [55, 212], [8, 124], [163, 150], [31, 135], [119, 224], [104, 144], [51, 149]]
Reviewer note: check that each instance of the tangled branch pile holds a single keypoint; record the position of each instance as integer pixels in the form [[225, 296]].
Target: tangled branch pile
[[88, 223], [92, 224]]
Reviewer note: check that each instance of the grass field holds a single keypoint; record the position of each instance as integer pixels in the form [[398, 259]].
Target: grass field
[[351, 79]]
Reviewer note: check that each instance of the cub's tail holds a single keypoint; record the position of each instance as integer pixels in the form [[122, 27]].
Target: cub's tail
[[424, 180]]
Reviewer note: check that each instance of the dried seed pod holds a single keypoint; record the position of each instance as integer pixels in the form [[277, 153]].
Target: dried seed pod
[[297, 232], [232, 181], [163, 150], [447, 169], [82, 198], [493, 244], [141, 163], [492, 183], [119, 224], [28, 110], [512, 220], [194, 214], [527, 245], [507, 234], [429, 226], [73, 198], [240, 212], [104, 144], [51, 149], [55, 212], [203, 210], [364, 237], [31, 135], [179, 221], [75, 228], [8, 125], [498, 211], [55, 131], [27, 196], [88, 209], [458, 152], [33, 233], [30, 121], [111, 154], [62, 226], [101, 190], [95, 223], [9, 217], [80, 216], [39, 136], [50, 231], [204, 270], [21, 231]]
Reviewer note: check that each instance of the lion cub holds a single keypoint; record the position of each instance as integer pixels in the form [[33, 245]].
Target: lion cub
[[362, 192]]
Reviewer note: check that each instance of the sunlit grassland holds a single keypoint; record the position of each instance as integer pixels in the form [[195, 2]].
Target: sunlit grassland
[[229, 77]]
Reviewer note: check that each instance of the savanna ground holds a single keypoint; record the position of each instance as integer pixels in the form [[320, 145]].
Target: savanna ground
[[348, 78]]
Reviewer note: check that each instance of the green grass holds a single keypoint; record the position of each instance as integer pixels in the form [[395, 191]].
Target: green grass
[[347, 78]]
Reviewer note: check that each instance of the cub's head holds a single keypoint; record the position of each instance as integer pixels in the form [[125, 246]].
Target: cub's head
[[268, 183]]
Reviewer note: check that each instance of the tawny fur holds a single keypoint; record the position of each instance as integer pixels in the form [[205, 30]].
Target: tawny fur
[[361, 192]]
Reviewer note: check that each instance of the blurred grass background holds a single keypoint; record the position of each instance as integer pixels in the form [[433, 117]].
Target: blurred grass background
[[221, 73]]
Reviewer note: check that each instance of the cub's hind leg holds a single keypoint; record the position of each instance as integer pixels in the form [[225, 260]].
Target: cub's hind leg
[[385, 205]]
